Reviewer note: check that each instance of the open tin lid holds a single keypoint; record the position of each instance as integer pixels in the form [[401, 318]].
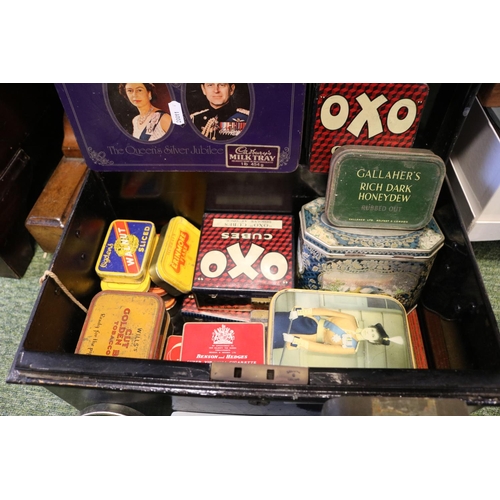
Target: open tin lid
[[382, 187]]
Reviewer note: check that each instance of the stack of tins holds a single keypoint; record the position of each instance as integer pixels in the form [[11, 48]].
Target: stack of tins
[[125, 256], [374, 232], [140, 271]]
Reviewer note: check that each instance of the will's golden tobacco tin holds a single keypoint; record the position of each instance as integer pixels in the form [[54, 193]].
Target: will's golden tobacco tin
[[123, 324]]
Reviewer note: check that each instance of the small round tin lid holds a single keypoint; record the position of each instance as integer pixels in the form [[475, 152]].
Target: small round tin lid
[[335, 241], [383, 187]]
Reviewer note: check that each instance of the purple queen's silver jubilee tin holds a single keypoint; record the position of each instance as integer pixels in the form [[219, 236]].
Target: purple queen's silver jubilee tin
[[387, 262]]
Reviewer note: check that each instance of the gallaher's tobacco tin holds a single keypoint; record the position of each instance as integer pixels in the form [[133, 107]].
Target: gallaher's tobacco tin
[[380, 261], [126, 252], [174, 259], [123, 324], [386, 188]]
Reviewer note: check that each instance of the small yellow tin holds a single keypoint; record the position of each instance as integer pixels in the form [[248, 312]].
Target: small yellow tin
[[142, 286], [123, 324], [126, 252], [174, 260]]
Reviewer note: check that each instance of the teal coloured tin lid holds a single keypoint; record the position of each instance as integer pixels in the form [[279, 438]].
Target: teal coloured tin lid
[[383, 187]]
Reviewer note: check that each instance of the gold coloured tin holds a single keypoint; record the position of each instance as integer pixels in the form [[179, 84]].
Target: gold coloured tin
[[123, 324], [126, 252], [383, 187], [174, 260], [318, 328]]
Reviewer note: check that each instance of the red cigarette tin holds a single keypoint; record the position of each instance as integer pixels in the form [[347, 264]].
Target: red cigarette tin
[[221, 342]]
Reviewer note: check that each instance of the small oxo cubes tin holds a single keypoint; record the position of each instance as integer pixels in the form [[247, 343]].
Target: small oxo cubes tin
[[124, 324], [126, 252], [243, 257], [386, 188]]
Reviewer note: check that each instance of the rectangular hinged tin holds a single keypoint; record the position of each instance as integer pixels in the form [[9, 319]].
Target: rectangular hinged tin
[[174, 260], [187, 126], [396, 263], [221, 342], [243, 257], [330, 329], [386, 188], [370, 114], [127, 251], [123, 324]]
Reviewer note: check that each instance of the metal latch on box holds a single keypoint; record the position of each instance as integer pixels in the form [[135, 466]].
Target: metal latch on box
[[270, 374]]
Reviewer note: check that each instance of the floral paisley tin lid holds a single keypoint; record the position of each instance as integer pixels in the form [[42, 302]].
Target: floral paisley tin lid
[[335, 241], [383, 187]]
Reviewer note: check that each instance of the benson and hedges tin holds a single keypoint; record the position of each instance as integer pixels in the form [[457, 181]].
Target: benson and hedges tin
[[243, 258], [391, 262], [174, 259], [387, 188], [126, 252], [207, 342], [123, 324], [331, 329]]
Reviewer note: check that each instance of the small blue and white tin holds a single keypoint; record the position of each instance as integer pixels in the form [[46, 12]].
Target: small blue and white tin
[[388, 262]]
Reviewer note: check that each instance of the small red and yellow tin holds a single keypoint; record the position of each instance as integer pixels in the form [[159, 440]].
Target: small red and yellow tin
[[124, 324], [126, 252], [174, 260]]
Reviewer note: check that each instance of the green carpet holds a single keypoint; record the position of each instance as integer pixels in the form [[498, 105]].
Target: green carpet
[[17, 298]]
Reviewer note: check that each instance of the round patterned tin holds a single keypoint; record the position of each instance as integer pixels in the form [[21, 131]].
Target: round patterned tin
[[389, 262]]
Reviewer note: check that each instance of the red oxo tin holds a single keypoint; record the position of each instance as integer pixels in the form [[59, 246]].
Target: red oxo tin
[[243, 257], [369, 114]]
